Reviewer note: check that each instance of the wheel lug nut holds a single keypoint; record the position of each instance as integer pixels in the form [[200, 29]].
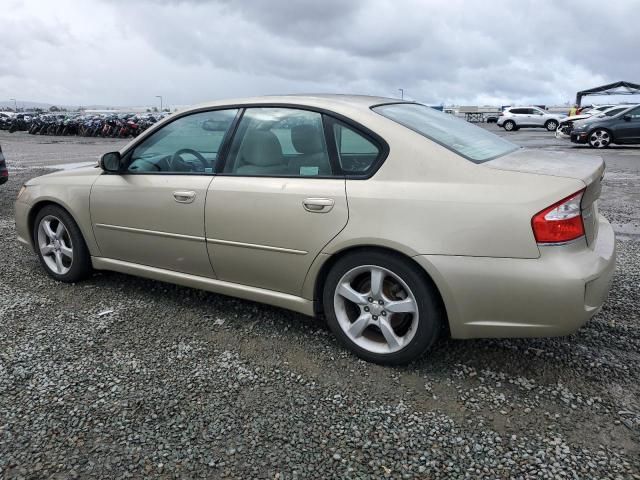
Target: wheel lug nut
[[384, 314], [380, 302], [375, 317], [366, 309], [370, 299]]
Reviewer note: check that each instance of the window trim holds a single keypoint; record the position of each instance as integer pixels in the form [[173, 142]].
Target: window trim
[[374, 137]]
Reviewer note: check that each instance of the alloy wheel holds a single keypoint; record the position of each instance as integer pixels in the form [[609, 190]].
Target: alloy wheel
[[376, 309], [599, 139], [508, 126], [55, 244], [552, 125]]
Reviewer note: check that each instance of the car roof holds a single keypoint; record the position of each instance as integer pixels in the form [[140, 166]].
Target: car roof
[[322, 100]]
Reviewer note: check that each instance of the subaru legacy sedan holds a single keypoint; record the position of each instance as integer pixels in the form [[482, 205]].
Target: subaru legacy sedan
[[393, 221]]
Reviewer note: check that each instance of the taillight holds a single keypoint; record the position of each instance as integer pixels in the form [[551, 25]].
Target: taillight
[[561, 222]]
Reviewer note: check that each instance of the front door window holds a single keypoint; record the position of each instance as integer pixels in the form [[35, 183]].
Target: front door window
[[189, 144]]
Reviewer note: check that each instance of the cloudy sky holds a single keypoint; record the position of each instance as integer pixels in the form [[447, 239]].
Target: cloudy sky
[[124, 52]]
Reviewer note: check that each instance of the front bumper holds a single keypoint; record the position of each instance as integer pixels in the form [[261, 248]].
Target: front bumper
[[579, 137], [552, 295], [22, 227]]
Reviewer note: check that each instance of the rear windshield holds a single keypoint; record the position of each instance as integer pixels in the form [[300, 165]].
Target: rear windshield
[[471, 142]]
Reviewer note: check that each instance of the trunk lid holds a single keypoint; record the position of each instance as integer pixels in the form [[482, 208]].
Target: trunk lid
[[587, 168]]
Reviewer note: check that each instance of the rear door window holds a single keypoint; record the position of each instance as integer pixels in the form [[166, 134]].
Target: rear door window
[[279, 142]]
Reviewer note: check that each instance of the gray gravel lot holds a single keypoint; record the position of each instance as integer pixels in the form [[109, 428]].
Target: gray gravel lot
[[180, 383]]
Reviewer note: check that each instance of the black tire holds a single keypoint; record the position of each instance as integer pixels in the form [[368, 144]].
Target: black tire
[[81, 263], [551, 125], [600, 138], [509, 125], [431, 316]]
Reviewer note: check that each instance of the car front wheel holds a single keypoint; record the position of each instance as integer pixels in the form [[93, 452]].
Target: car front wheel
[[382, 307], [60, 245], [509, 125], [599, 138]]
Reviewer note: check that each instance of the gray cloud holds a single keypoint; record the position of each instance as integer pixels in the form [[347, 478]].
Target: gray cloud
[[453, 51]]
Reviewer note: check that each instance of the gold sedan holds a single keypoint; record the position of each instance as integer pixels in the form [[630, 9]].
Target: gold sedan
[[395, 222]]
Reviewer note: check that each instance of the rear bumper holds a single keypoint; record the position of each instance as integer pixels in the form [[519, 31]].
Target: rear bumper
[[552, 295]]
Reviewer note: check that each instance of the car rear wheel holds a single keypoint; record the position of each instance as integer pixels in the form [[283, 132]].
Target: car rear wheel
[[509, 125], [600, 138], [382, 307], [60, 245], [551, 125]]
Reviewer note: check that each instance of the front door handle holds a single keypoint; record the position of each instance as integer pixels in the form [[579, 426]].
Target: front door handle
[[184, 196], [318, 205]]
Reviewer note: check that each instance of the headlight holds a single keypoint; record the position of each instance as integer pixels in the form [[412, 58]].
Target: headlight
[[22, 190]]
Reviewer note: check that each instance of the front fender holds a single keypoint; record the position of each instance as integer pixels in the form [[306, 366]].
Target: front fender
[[74, 198]]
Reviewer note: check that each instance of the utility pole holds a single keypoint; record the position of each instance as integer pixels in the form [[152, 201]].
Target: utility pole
[[160, 97], [401, 93]]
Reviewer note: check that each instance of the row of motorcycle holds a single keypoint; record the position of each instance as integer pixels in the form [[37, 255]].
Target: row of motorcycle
[[110, 125]]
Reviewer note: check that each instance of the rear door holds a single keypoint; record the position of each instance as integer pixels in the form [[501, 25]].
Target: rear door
[[277, 202], [523, 116]]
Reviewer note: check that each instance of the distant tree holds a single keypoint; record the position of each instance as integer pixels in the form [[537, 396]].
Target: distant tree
[[155, 109], [166, 110], [53, 108], [148, 110]]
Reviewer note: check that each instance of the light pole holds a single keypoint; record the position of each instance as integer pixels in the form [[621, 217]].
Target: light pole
[[15, 105], [401, 93], [160, 97]]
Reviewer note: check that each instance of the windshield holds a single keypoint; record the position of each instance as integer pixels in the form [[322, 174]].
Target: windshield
[[473, 143]]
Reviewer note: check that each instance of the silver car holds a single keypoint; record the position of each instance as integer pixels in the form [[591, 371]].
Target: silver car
[[395, 222], [513, 118]]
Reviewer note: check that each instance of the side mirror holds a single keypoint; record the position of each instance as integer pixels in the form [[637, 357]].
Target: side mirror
[[627, 118], [110, 162]]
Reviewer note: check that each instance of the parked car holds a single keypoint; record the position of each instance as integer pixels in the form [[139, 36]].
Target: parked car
[[395, 222], [4, 173], [566, 125], [514, 118], [602, 131]]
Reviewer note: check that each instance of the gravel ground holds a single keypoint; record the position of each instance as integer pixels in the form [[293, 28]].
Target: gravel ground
[[180, 383]]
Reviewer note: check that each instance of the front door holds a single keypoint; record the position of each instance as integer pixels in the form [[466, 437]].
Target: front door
[[535, 117], [277, 202], [153, 212], [628, 131]]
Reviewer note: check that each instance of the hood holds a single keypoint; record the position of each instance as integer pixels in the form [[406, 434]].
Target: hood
[[89, 172], [573, 118]]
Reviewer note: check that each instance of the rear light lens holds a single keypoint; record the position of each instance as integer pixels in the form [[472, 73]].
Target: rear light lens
[[561, 222]]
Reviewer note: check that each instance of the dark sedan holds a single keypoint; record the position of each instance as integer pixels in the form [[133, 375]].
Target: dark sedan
[[4, 173], [600, 132]]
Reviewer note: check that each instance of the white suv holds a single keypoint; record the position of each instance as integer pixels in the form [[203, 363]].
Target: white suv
[[514, 118]]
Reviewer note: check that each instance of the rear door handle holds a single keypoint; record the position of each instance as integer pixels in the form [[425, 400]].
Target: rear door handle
[[318, 205], [184, 196]]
